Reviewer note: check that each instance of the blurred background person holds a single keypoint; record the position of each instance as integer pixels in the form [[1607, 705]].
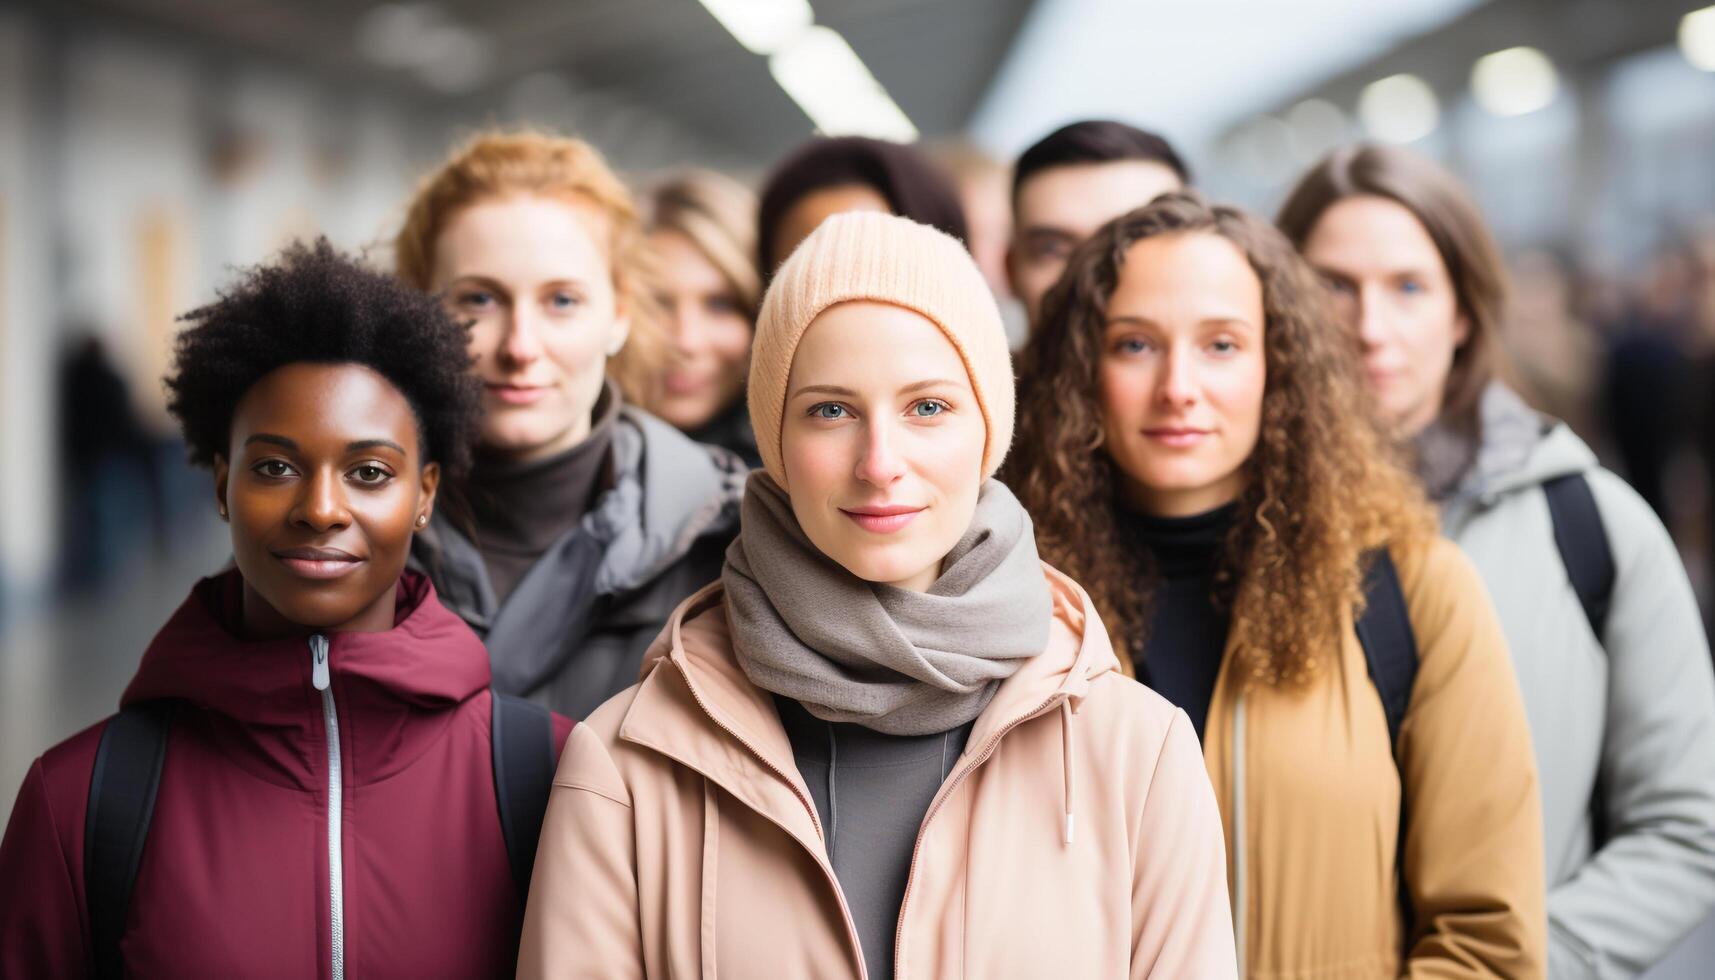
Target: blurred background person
[[985, 191], [1073, 181], [702, 231], [1600, 618], [829, 176], [587, 518], [1553, 356]]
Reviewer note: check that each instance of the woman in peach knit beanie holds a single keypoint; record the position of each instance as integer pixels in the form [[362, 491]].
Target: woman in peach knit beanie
[[890, 741]]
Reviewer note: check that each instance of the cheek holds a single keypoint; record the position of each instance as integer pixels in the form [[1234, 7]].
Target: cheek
[[1123, 392], [816, 462], [730, 338]]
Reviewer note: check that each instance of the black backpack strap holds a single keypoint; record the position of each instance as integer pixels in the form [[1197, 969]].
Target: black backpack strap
[[1583, 544], [523, 740], [1390, 651], [1390, 646], [122, 789]]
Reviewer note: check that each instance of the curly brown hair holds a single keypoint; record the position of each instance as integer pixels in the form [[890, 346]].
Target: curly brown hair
[[1322, 488]]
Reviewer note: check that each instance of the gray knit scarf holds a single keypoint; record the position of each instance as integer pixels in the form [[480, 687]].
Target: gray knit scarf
[[892, 660]]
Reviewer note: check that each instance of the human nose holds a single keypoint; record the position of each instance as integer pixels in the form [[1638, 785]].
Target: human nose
[[522, 344], [881, 463], [321, 505], [1179, 386]]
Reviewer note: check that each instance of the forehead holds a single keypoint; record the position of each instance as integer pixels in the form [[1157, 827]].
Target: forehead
[[863, 344], [325, 405], [1369, 233], [1190, 276], [524, 238], [1081, 197]]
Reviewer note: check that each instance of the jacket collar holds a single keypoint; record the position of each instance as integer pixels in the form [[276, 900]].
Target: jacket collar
[[393, 689], [695, 705]]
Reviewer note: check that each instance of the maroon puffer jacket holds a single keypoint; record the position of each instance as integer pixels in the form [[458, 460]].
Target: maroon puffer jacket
[[235, 879]]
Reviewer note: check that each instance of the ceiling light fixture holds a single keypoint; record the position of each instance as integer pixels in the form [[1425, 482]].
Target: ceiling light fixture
[[1697, 38], [763, 26], [1399, 109], [1514, 82], [828, 80]]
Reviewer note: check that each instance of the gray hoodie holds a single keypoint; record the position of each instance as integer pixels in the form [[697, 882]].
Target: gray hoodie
[[1624, 725], [573, 630]]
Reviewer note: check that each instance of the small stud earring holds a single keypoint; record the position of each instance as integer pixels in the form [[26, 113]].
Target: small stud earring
[[422, 520], [222, 510]]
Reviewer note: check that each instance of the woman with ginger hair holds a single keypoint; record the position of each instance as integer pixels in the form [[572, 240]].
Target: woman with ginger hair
[[1194, 447], [702, 230], [587, 519]]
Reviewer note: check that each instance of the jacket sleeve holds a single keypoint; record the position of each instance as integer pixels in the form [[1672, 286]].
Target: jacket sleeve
[[1654, 878], [581, 919], [41, 913], [1473, 858], [1182, 922]]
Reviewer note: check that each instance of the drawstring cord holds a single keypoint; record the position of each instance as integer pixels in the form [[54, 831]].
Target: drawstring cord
[[1068, 786], [833, 794]]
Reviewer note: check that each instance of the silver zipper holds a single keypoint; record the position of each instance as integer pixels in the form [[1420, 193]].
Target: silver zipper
[[1239, 857], [319, 676]]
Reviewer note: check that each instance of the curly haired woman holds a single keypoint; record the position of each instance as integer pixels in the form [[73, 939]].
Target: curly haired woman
[[307, 707], [1194, 447]]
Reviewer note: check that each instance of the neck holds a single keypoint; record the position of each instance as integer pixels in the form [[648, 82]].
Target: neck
[[1183, 502], [261, 621]]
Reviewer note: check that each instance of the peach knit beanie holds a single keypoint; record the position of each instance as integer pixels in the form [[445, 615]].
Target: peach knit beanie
[[867, 255]]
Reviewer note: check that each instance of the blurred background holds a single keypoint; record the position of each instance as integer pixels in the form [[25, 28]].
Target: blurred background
[[148, 148]]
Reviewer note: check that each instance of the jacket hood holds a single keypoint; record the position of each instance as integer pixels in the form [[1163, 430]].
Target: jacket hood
[[389, 685], [1517, 449]]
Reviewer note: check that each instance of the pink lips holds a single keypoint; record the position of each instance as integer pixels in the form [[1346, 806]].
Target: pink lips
[[1177, 437], [517, 394], [882, 520], [318, 563]]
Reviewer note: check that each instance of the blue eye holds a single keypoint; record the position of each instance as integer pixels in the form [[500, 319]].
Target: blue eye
[[1131, 345], [928, 409], [828, 410], [1410, 287], [562, 301], [476, 299], [1224, 347]]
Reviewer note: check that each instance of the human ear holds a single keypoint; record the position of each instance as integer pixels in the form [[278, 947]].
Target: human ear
[[430, 481]]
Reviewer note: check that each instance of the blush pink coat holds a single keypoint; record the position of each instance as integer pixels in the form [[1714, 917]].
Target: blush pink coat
[[1077, 836]]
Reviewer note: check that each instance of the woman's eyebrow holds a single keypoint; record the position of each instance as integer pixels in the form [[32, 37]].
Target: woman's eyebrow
[[362, 444], [268, 437]]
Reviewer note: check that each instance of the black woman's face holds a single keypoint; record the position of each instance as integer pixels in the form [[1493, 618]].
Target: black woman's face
[[324, 486]]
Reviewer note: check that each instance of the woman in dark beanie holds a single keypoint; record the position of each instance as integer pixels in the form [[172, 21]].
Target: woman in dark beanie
[[1599, 614], [850, 173], [891, 741], [1192, 441], [309, 707]]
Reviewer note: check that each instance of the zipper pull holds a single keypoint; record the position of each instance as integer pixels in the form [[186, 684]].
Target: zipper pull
[[319, 661]]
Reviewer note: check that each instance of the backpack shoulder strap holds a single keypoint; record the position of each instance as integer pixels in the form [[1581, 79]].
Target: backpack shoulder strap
[[1583, 545], [523, 743], [122, 789], [1390, 647]]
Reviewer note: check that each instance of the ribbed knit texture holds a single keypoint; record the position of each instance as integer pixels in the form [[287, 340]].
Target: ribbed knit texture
[[888, 259]]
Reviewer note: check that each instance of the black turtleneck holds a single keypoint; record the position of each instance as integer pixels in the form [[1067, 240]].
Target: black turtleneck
[[522, 508], [1187, 635]]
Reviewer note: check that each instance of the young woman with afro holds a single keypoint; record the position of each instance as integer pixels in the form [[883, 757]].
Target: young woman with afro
[[303, 710]]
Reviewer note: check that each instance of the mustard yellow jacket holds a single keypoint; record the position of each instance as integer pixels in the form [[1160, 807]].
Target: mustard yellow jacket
[[1310, 794]]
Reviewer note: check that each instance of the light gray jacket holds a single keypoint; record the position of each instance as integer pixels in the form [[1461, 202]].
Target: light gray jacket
[[1629, 729], [573, 631]]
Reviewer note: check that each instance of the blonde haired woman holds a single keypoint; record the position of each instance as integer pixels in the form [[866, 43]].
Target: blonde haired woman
[[587, 519], [702, 229]]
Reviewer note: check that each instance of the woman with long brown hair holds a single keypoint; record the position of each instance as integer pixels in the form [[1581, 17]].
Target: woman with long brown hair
[[1602, 623], [1194, 446]]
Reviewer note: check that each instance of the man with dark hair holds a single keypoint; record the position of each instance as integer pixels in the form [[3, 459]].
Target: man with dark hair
[[1073, 181]]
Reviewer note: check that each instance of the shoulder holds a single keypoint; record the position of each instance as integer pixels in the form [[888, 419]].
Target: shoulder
[[587, 761], [1436, 576], [1129, 727]]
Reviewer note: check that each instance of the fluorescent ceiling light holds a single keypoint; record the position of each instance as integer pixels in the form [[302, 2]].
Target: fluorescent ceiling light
[[828, 80], [1514, 82], [763, 26], [1399, 109], [1697, 38]]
